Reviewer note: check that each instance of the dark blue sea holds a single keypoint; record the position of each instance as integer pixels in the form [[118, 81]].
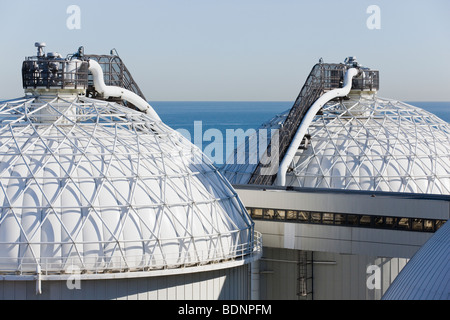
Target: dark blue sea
[[222, 115]]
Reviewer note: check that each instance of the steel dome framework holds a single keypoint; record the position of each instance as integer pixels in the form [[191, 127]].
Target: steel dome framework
[[363, 143], [371, 143], [354, 140], [97, 185]]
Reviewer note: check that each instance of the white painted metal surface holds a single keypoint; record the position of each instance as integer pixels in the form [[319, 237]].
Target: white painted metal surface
[[365, 203], [306, 122], [427, 275], [118, 92], [335, 276], [289, 234], [103, 187], [205, 284], [367, 143], [341, 240]]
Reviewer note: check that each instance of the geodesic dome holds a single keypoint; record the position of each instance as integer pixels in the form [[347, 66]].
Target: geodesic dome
[[365, 143], [370, 143], [95, 184]]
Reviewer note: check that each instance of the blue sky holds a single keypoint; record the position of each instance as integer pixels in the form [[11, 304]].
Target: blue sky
[[241, 50]]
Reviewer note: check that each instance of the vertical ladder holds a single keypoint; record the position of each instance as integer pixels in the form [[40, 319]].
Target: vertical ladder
[[304, 276]]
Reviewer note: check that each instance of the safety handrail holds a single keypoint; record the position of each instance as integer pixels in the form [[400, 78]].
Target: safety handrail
[[96, 264]]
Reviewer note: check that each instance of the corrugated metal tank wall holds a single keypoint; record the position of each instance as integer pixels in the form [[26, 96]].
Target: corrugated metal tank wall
[[225, 284], [278, 277], [347, 279], [333, 276]]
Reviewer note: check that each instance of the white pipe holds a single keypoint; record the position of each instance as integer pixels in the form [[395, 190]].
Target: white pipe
[[118, 92], [306, 122], [38, 280], [254, 280]]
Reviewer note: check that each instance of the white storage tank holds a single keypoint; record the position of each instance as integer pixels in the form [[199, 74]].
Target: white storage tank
[[357, 141], [98, 192], [340, 135]]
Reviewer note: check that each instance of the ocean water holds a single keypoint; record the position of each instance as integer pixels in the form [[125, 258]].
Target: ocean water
[[248, 114], [223, 116], [220, 116]]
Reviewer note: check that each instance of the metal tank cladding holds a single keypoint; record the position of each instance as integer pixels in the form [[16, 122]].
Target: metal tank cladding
[[378, 144], [335, 146], [111, 192], [358, 141]]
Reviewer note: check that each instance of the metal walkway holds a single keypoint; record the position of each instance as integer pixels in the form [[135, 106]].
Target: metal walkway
[[322, 78]]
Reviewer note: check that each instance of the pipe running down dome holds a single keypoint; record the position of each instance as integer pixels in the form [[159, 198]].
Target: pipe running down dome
[[99, 185], [356, 141]]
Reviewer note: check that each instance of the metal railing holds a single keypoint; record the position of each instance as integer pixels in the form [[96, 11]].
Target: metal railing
[[313, 88], [54, 73], [59, 73], [119, 261], [323, 77], [115, 74]]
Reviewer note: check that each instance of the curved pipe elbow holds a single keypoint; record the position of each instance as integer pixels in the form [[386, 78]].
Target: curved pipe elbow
[[307, 120], [118, 92]]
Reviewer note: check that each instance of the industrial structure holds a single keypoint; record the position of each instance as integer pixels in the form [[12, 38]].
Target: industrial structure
[[99, 199], [350, 183], [426, 276]]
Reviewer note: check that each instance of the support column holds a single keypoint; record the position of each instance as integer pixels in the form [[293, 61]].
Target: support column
[[254, 280]]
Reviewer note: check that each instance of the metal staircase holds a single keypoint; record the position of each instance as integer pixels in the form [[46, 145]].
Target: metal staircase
[[322, 78]]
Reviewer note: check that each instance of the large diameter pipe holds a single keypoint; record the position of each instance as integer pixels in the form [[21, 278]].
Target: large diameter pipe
[[118, 92], [307, 120]]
